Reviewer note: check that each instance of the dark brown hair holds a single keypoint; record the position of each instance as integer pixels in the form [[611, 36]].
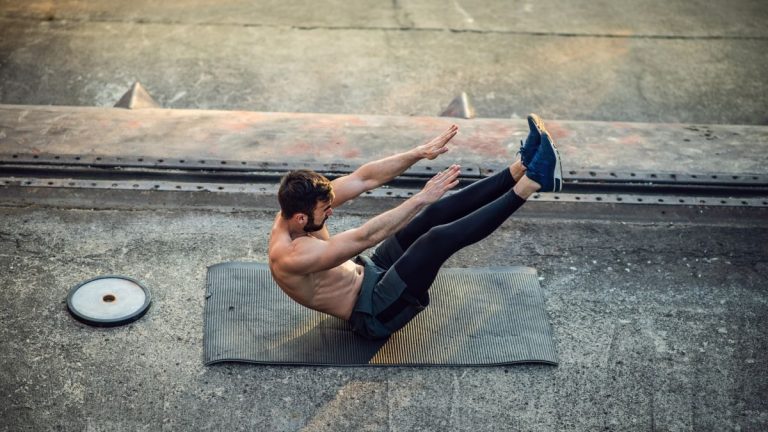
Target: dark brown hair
[[300, 191]]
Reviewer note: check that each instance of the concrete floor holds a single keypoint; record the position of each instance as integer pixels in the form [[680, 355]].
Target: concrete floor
[[652, 335]]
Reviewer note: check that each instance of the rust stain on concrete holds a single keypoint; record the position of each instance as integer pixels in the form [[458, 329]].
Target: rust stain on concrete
[[632, 140]]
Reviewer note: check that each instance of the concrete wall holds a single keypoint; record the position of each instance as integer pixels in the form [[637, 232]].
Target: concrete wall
[[649, 61]]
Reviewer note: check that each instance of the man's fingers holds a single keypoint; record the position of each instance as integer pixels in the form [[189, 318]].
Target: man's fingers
[[436, 146], [451, 178], [449, 174], [448, 134], [452, 128], [454, 174], [438, 177], [443, 181]]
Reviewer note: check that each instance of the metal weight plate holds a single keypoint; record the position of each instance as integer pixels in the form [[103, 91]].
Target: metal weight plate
[[108, 301]]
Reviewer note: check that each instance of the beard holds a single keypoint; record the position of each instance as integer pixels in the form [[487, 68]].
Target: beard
[[311, 226]]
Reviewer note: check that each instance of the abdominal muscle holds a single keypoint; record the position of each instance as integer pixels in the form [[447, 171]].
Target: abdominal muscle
[[333, 291]]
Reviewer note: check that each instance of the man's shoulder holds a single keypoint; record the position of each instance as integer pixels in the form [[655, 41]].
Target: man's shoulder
[[294, 253]]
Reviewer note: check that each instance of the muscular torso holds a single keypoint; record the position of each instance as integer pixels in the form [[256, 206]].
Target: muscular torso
[[333, 291]]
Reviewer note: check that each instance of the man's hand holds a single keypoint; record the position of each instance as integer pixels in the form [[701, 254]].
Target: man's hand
[[376, 173], [440, 184], [337, 249], [436, 146]]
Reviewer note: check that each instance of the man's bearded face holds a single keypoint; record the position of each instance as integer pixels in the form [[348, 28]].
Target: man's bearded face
[[311, 226]]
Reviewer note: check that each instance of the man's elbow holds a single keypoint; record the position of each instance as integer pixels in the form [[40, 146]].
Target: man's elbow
[[372, 184]]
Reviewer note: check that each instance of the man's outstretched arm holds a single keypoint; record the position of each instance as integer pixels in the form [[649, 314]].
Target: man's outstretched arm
[[376, 173], [311, 255]]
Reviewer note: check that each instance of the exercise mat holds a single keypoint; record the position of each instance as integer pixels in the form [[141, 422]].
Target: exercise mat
[[482, 316]]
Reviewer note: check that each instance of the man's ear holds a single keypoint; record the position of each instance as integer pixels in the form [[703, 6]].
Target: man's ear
[[300, 218]]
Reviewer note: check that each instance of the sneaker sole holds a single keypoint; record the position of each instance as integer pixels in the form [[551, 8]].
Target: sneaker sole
[[557, 174], [537, 123]]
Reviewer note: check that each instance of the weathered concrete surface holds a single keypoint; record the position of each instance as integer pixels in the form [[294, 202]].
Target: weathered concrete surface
[[354, 139], [645, 18], [649, 61], [658, 326]]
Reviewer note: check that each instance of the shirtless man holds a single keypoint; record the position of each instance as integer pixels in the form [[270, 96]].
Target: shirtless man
[[379, 294]]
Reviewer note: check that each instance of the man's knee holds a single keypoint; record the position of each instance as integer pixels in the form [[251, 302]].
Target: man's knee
[[439, 237], [434, 211]]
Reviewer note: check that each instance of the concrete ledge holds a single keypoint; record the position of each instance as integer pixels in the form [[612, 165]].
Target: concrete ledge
[[354, 139]]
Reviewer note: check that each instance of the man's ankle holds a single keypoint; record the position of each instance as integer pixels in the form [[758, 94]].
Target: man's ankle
[[517, 170], [526, 187]]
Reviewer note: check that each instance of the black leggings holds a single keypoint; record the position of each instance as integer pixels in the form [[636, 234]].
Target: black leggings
[[451, 224]]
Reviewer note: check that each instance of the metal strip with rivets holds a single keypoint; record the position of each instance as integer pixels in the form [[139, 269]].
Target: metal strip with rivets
[[383, 192], [572, 176], [256, 177]]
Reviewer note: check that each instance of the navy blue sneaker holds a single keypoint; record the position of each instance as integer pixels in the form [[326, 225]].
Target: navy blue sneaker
[[545, 168], [531, 144]]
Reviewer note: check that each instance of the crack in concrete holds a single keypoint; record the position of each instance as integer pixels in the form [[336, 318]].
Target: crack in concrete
[[401, 27], [402, 16]]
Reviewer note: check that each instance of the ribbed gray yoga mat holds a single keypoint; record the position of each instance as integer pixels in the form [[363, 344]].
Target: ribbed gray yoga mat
[[489, 316]]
